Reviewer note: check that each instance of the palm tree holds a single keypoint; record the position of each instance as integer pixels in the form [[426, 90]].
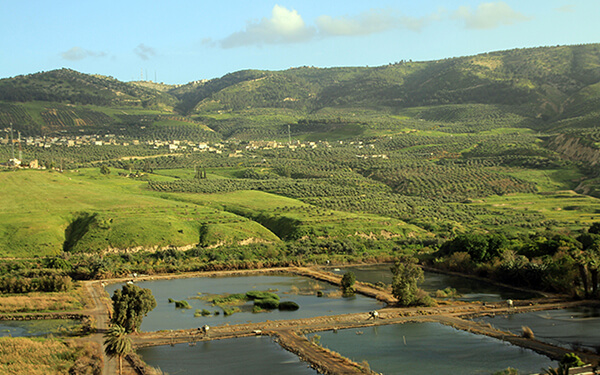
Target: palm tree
[[117, 344]]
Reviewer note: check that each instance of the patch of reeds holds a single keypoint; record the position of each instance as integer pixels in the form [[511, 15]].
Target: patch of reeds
[[46, 357], [527, 332]]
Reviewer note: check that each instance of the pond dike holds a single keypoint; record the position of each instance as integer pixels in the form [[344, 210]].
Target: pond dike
[[290, 333]]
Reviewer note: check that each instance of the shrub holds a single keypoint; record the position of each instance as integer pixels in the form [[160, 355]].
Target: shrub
[[203, 312], [288, 306], [571, 360], [267, 303], [347, 283], [254, 295], [527, 332], [182, 305]]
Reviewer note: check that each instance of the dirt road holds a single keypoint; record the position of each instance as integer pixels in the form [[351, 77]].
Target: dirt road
[[99, 313]]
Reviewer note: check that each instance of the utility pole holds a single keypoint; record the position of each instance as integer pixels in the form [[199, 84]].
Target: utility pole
[[20, 150], [289, 135], [12, 143]]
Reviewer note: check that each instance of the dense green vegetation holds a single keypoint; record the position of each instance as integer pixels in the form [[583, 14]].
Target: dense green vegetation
[[130, 304], [484, 164]]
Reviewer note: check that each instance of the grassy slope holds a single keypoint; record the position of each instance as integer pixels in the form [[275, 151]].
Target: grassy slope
[[42, 204], [291, 218], [34, 223]]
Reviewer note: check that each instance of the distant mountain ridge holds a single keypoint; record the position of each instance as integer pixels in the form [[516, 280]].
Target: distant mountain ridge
[[552, 87]]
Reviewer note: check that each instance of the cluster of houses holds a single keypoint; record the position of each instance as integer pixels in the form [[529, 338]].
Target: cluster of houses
[[232, 149]]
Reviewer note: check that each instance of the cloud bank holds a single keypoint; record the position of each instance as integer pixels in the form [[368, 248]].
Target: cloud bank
[[78, 53], [369, 22], [286, 26]]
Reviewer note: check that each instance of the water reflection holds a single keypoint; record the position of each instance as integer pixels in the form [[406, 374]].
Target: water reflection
[[248, 355], [468, 289], [301, 290]]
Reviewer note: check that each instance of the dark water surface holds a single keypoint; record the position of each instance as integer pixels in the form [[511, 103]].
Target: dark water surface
[[468, 289], [568, 328], [431, 348], [247, 355], [166, 316], [30, 328]]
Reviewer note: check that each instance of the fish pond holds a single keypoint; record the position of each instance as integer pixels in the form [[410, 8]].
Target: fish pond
[[572, 328], [430, 348], [247, 355], [32, 328], [467, 289], [201, 291]]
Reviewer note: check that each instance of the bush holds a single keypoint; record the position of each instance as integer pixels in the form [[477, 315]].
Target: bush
[[347, 283], [571, 360], [203, 312], [254, 295], [182, 305], [527, 332], [288, 306], [267, 303]]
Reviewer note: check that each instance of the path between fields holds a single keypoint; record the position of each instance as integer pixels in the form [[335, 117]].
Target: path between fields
[[100, 314]]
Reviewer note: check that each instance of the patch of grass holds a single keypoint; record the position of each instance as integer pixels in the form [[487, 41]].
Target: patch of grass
[[43, 356], [41, 302]]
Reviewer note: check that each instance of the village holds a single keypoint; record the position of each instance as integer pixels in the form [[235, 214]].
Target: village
[[230, 148]]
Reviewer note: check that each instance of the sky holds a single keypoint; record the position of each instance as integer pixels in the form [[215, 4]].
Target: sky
[[180, 41]]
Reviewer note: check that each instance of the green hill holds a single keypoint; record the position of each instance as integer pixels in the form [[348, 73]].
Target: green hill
[[546, 88]]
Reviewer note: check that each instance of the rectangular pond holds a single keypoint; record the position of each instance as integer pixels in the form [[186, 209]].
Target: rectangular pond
[[430, 348], [569, 328], [43, 327], [247, 355], [197, 292], [467, 288]]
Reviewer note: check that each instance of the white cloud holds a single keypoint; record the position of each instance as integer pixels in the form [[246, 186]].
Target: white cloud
[[489, 15], [566, 9], [284, 26], [144, 52], [78, 53], [369, 22]]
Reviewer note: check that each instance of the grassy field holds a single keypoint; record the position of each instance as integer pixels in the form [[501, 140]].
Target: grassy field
[[290, 218], [34, 221], [42, 356], [570, 209]]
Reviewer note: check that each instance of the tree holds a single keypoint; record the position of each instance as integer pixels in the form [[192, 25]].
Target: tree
[[130, 305], [406, 275], [594, 228], [347, 283], [104, 169], [117, 344]]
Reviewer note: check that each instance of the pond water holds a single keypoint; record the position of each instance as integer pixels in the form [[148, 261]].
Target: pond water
[[568, 328], [468, 289], [431, 348], [30, 328], [299, 289], [247, 355]]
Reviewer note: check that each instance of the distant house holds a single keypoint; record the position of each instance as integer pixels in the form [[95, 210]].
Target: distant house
[[14, 162]]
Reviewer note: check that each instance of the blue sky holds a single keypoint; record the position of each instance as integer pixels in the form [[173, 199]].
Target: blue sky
[[185, 40]]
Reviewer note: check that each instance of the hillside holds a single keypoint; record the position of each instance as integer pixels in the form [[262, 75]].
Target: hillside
[[547, 88]]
